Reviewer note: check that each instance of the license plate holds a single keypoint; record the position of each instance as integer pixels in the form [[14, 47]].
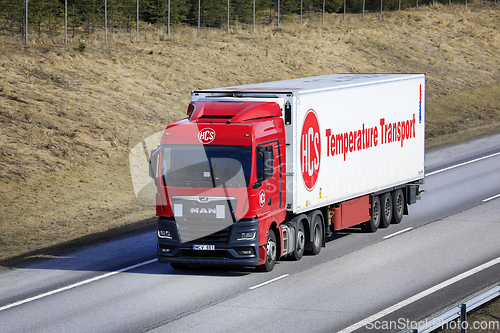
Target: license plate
[[203, 247]]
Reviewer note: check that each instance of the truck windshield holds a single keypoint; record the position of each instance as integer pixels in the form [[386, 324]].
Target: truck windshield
[[206, 166]]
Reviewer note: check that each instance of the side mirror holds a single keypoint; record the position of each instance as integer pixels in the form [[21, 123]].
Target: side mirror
[[153, 164]]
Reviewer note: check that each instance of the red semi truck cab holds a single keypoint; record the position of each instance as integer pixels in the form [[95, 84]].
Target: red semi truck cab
[[221, 186]]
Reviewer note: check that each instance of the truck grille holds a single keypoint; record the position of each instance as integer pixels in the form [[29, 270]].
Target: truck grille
[[205, 219], [219, 237]]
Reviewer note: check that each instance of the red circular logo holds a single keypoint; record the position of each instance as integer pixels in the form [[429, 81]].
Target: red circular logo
[[262, 198], [310, 150], [206, 136]]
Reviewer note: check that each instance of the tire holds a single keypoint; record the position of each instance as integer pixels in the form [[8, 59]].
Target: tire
[[179, 266], [373, 224], [300, 242], [385, 210], [271, 253], [314, 246], [398, 204]]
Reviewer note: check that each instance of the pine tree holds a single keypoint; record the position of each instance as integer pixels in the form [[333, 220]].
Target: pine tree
[[12, 16]]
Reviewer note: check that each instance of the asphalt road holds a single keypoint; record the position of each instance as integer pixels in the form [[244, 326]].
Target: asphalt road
[[447, 249]]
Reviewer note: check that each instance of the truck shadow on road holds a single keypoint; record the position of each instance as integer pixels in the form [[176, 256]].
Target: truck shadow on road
[[132, 252]]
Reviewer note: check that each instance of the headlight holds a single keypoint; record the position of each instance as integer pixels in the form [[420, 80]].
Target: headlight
[[164, 234], [246, 235]]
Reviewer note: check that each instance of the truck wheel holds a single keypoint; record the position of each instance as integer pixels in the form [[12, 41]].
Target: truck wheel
[[385, 210], [271, 253], [300, 242], [372, 225], [398, 201], [317, 229]]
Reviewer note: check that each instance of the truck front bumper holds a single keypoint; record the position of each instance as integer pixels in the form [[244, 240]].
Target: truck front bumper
[[223, 248]]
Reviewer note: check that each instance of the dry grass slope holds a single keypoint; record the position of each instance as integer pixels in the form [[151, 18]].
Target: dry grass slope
[[69, 119]]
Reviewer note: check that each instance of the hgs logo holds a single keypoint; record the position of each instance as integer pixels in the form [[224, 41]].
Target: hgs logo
[[206, 135], [310, 150]]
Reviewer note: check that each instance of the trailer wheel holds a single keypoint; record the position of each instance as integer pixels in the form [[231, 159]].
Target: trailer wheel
[[300, 242], [271, 253], [315, 245], [398, 201], [372, 225], [385, 210]]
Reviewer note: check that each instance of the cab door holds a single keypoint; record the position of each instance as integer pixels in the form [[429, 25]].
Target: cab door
[[268, 174]]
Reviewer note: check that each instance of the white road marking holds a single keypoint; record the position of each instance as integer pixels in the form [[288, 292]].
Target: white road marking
[[491, 198], [34, 298], [397, 233], [419, 296], [267, 282], [461, 164]]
